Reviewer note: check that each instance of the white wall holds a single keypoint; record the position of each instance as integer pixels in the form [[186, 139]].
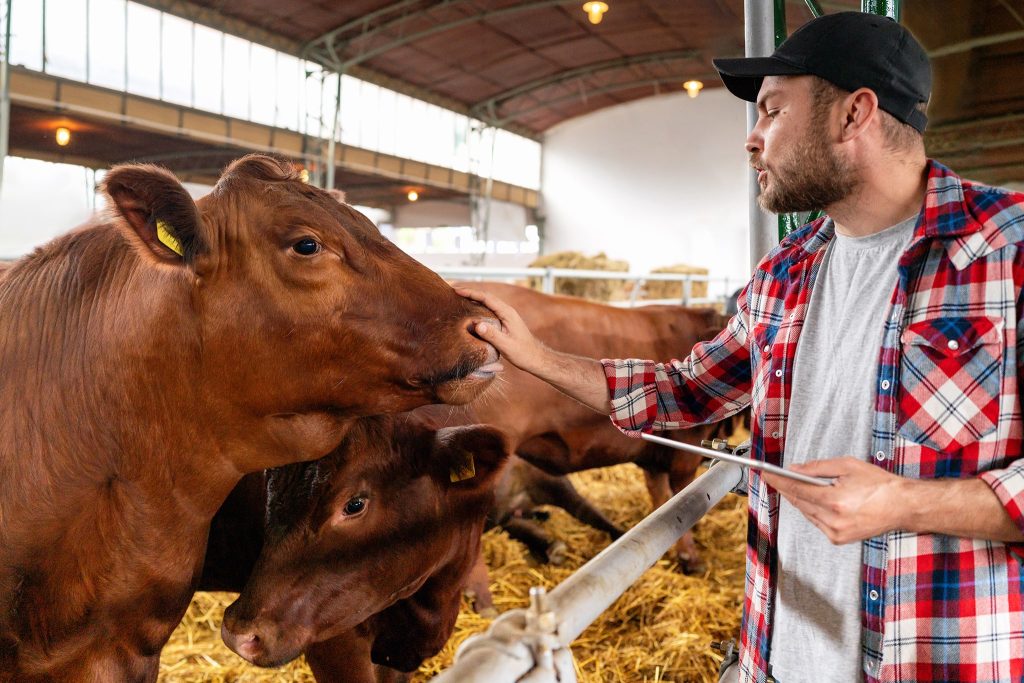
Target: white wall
[[657, 181], [39, 201]]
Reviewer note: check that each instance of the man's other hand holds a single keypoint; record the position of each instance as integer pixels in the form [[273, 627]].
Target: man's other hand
[[863, 502]]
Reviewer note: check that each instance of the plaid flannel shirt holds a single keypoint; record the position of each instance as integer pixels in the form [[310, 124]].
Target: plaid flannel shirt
[[934, 607]]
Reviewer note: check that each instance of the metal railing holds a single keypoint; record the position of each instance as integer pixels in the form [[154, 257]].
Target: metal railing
[[532, 645], [548, 275]]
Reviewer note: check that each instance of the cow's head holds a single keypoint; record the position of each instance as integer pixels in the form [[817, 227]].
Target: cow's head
[[396, 505], [295, 303]]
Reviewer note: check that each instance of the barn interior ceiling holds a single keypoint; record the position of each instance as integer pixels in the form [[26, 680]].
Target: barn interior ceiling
[[528, 65]]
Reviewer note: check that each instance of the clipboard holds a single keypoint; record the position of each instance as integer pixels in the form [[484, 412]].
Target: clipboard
[[738, 459]]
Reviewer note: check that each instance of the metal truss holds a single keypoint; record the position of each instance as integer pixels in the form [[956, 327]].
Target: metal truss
[[331, 48], [658, 85], [487, 110]]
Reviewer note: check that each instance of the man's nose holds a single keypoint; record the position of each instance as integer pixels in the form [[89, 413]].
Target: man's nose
[[754, 143]]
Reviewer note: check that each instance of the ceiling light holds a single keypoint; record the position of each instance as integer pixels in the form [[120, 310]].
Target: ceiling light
[[63, 136], [693, 87], [413, 195], [595, 11]]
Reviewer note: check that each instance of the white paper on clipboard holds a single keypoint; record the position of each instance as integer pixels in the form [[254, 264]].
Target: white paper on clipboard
[[738, 459]]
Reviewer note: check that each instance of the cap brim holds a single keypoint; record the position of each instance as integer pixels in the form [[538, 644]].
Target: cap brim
[[743, 75]]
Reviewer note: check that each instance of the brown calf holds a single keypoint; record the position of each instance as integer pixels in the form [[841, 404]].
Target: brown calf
[[365, 553], [151, 358]]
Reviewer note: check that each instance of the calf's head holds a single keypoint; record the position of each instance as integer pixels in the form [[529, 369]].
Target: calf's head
[[396, 505], [294, 302]]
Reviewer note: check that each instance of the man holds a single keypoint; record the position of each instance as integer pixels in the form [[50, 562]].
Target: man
[[877, 346]]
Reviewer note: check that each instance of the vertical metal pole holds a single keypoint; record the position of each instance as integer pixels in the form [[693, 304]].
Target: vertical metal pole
[[88, 52], [5, 92], [335, 124], [758, 34], [886, 8]]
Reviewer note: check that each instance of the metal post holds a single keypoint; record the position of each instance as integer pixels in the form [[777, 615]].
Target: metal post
[[886, 8], [5, 92], [331, 144], [759, 27]]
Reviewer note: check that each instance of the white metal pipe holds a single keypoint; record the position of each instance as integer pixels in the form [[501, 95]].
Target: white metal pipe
[[581, 598], [5, 91], [502, 655], [759, 39]]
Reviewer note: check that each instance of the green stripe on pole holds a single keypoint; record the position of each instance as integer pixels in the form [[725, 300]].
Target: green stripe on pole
[[885, 8]]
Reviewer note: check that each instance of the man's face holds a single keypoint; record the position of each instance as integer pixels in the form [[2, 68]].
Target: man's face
[[799, 167]]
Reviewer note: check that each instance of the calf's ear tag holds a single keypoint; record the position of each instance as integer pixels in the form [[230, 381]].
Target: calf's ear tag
[[462, 467], [166, 236]]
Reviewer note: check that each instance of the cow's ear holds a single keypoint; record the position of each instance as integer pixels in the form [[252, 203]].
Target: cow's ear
[[158, 209], [472, 454]]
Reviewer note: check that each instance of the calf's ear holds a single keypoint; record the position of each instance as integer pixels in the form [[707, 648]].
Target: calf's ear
[[473, 454], [158, 210]]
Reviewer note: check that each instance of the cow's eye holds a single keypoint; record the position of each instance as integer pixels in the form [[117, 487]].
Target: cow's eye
[[306, 247], [354, 506]]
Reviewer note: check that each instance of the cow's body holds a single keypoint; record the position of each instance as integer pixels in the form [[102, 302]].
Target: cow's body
[[141, 376], [355, 592], [559, 435]]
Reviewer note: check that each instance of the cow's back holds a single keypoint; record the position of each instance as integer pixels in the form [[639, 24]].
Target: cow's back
[[525, 407]]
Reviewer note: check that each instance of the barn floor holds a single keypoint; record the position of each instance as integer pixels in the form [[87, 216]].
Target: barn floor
[[658, 631]]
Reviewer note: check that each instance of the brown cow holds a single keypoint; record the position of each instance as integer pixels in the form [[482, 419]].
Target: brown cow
[[365, 552], [150, 359], [559, 435]]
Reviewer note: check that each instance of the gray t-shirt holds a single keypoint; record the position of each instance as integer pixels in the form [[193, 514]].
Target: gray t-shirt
[[817, 625]]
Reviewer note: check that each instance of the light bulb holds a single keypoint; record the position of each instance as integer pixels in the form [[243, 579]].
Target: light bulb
[[413, 195], [595, 11], [693, 87], [63, 136]]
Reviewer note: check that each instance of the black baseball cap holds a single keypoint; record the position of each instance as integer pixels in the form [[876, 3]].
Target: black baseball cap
[[850, 50]]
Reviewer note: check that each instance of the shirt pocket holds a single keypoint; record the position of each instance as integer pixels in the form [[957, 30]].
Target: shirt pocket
[[950, 381], [763, 339]]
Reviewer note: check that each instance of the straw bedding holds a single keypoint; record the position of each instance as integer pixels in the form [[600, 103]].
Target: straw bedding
[[658, 631]]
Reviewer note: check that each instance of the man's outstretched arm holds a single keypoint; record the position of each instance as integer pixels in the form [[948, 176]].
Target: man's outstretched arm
[[576, 376]]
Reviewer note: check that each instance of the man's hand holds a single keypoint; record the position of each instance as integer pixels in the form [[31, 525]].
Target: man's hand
[[864, 500], [513, 340], [575, 376]]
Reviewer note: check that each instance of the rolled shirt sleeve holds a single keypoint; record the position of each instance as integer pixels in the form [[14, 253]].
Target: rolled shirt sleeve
[[710, 384]]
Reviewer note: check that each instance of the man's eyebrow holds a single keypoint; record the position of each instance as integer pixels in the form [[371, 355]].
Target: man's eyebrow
[[766, 94]]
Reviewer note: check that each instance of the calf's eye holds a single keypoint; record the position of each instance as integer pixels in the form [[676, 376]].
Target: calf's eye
[[306, 247], [354, 506]]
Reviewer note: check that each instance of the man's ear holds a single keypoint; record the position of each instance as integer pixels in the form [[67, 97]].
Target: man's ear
[[473, 454], [158, 209]]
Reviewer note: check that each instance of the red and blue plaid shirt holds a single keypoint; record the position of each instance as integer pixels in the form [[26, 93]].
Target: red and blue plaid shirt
[[948, 404]]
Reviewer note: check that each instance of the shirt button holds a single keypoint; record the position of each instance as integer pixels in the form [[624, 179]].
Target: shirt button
[[775, 435], [880, 455], [873, 595], [767, 348], [778, 373], [953, 344], [885, 384]]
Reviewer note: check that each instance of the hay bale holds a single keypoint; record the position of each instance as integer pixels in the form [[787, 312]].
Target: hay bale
[[674, 290], [660, 630], [595, 290]]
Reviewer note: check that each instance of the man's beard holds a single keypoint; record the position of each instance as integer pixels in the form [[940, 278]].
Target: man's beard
[[815, 176]]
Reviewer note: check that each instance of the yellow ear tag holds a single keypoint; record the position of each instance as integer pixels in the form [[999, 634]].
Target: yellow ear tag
[[464, 468], [167, 238]]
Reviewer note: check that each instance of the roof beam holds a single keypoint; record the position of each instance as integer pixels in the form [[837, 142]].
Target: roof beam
[[487, 109], [655, 83], [330, 48]]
